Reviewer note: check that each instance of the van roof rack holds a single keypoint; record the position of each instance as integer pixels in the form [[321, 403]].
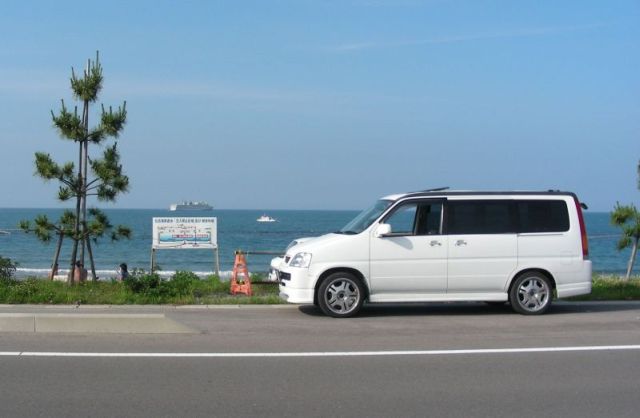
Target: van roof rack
[[437, 189]]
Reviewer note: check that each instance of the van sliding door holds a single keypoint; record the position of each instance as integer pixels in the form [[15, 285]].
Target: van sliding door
[[483, 246]]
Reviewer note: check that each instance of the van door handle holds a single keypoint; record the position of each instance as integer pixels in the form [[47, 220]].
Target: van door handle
[[434, 243], [461, 242]]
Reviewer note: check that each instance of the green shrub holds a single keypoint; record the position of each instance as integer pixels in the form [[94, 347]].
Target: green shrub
[[213, 284], [144, 283], [181, 284], [25, 290], [7, 268]]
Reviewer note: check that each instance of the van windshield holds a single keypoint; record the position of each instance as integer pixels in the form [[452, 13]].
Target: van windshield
[[365, 218]]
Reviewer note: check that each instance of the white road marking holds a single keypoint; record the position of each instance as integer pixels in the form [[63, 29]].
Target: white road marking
[[326, 353]]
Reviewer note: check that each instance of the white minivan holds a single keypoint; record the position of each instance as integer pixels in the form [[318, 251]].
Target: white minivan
[[437, 245]]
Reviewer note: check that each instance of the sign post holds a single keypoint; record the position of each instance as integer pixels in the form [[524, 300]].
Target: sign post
[[189, 233]]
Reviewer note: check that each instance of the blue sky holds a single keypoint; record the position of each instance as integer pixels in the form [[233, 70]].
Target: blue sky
[[310, 104]]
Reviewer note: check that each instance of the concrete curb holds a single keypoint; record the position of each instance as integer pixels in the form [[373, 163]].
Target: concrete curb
[[28, 307], [144, 307], [91, 323], [18, 322]]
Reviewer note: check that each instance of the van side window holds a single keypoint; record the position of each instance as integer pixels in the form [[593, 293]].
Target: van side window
[[480, 217], [402, 220], [429, 217], [543, 216]]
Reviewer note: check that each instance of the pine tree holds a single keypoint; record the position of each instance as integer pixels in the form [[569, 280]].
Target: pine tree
[[628, 218], [84, 226]]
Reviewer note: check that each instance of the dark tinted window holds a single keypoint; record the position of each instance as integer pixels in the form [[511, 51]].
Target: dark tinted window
[[543, 215], [429, 217], [480, 217]]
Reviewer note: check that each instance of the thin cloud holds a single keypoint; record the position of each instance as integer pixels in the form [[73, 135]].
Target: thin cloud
[[179, 88], [30, 87], [43, 84], [522, 33]]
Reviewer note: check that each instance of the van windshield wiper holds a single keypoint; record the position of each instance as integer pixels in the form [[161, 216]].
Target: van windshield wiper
[[346, 232]]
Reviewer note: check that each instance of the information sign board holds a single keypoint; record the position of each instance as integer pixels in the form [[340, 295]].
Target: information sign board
[[185, 233]]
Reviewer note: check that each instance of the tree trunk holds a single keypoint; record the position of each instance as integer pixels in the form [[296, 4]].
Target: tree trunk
[[77, 237], [83, 202], [85, 163], [56, 256], [632, 259], [93, 266]]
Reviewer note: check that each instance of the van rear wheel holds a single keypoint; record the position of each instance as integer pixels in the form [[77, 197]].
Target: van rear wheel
[[531, 293], [340, 295]]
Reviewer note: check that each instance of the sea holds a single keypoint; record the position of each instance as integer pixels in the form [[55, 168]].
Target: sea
[[237, 230]]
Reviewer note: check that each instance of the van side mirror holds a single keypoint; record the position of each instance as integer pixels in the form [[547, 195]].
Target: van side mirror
[[382, 230]]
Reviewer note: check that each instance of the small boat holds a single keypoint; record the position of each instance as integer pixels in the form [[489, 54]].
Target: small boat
[[191, 205], [265, 218]]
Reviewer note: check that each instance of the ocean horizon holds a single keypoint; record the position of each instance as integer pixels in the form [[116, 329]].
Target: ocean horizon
[[237, 230]]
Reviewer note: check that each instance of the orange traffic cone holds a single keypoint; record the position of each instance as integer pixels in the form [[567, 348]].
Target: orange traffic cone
[[240, 280]]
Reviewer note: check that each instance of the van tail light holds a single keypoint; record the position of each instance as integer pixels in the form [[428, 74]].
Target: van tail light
[[583, 230]]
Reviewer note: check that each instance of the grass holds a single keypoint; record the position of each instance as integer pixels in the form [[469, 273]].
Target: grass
[[612, 288], [185, 288]]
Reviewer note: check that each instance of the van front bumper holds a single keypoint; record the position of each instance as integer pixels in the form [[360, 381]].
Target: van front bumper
[[296, 295], [295, 285]]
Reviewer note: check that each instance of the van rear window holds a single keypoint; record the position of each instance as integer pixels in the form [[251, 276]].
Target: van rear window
[[543, 215], [480, 217], [506, 216]]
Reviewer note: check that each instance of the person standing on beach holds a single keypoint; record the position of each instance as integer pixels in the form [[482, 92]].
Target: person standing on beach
[[123, 272], [54, 271], [80, 273]]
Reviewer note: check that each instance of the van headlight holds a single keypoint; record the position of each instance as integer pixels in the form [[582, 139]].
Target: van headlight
[[301, 260]]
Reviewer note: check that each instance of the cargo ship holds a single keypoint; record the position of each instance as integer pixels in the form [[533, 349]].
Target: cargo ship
[[191, 205]]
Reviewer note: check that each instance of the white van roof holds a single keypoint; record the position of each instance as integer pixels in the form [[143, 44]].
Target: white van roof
[[444, 193]]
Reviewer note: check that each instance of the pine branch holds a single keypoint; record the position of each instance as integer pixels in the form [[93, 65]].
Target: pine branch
[[65, 193], [113, 122], [46, 167], [87, 87], [90, 184], [42, 228], [69, 125]]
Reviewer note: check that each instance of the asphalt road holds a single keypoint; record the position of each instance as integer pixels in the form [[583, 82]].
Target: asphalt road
[[348, 374]]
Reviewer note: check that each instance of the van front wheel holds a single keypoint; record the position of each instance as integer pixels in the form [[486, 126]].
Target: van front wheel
[[531, 293], [340, 295]]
